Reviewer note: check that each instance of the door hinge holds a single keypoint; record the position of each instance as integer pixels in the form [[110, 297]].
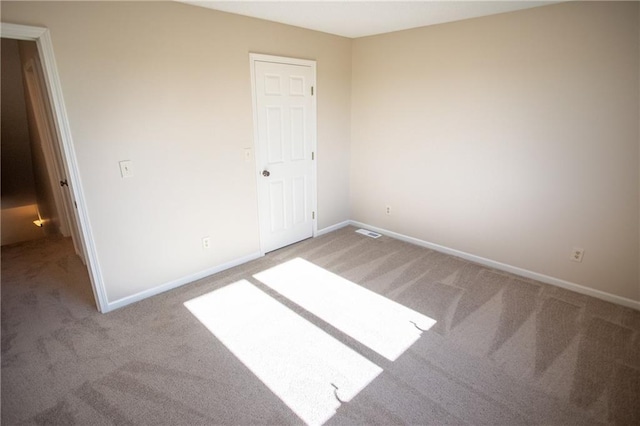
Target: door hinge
[[313, 155], [313, 215], [64, 183], [311, 90]]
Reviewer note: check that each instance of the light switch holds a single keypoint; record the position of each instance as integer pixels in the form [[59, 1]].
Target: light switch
[[247, 155], [126, 168]]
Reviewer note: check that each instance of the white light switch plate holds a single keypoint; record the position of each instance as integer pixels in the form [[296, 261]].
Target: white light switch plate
[[126, 168], [247, 155]]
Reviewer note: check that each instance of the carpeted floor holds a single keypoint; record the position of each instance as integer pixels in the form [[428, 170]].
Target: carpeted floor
[[504, 350]]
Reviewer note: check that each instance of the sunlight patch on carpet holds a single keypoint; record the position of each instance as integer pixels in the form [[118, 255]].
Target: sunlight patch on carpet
[[309, 370], [381, 324]]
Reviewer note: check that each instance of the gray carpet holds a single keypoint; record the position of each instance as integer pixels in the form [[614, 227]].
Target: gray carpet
[[504, 350]]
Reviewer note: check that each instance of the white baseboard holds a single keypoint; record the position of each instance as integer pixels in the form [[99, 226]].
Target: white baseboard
[[199, 275], [332, 228], [179, 282], [507, 268], [467, 256]]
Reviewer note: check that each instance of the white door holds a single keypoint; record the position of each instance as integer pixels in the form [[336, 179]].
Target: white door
[[65, 205], [285, 137]]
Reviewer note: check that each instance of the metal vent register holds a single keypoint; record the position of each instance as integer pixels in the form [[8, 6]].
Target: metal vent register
[[369, 233]]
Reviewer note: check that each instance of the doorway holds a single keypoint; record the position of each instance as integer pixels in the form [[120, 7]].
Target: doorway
[[284, 105], [44, 136], [31, 174], [66, 206], [27, 208]]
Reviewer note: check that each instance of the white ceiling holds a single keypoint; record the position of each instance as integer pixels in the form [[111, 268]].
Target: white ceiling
[[363, 18]]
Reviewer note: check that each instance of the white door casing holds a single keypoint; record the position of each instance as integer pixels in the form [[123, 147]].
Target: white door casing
[[285, 129]]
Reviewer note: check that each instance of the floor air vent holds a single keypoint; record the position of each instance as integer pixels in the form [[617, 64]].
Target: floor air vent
[[369, 233]]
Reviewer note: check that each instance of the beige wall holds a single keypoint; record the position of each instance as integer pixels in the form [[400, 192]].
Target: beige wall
[[512, 137], [167, 86]]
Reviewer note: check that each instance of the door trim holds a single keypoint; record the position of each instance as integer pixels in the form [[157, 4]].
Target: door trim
[[65, 144], [258, 57]]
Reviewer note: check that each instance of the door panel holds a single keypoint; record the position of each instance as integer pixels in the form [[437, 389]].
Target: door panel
[[277, 205], [275, 139], [298, 141], [299, 200], [285, 125]]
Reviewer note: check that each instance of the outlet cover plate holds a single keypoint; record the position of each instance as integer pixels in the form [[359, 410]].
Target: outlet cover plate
[[576, 254]]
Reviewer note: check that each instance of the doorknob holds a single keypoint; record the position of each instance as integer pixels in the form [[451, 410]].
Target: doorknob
[[266, 173]]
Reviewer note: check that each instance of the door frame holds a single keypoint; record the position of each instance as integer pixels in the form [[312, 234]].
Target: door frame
[[259, 57], [65, 146]]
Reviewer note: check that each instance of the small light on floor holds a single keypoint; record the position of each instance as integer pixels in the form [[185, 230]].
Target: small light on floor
[[38, 223]]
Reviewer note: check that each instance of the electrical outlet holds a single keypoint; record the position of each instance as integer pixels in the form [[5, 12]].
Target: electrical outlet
[[206, 243], [388, 210], [576, 254]]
